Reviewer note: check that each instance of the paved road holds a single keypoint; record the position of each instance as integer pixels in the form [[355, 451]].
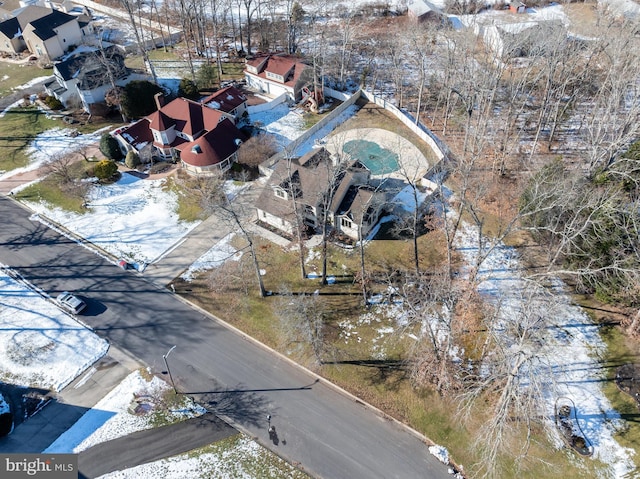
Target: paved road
[[152, 444], [11, 98], [329, 434]]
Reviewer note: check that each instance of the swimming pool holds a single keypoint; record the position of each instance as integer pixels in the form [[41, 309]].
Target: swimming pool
[[378, 160]]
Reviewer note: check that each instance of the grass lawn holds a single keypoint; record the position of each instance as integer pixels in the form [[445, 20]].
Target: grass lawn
[[370, 366], [233, 457], [20, 126], [53, 192], [230, 70], [136, 61], [18, 74], [17, 129]]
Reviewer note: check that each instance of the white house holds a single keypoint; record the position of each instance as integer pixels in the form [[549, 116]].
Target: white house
[[275, 74], [82, 77]]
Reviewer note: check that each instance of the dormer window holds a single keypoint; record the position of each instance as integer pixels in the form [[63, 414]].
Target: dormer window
[[196, 149], [280, 193]]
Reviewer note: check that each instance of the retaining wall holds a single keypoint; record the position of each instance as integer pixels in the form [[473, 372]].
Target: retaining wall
[[267, 106], [439, 148]]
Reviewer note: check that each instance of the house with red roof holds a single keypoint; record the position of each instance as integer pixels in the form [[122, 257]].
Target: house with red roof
[[204, 140], [229, 100], [275, 74]]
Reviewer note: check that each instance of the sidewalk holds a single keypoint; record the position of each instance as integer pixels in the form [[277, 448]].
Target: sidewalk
[[200, 240], [38, 432]]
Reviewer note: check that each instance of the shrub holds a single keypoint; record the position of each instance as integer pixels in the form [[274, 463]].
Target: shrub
[[53, 103], [109, 147], [188, 89], [132, 159], [105, 169], [138, 100], [207, 76]]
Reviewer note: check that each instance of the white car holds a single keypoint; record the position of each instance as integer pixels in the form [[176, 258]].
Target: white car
[[70, 303]]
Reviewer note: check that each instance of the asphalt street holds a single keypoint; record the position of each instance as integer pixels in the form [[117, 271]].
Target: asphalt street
[[328, 433], [151, 445]]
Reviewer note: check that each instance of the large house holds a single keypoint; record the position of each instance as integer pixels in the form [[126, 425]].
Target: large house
[[229, 100], [275, 74], [83, 78], [203, 139], [303, 186], [43, 31]]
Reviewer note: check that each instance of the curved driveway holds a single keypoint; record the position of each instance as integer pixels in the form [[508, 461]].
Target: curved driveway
[[327, 433]]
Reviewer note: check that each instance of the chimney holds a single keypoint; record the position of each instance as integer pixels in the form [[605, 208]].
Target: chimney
[[159, 98]]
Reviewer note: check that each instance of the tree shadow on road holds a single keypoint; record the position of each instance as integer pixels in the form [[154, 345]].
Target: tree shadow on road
[[243, 406]]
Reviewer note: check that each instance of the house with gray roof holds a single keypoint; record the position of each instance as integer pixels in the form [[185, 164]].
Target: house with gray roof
[[424, 11], [44, 31], [84, 76], [310, 184]]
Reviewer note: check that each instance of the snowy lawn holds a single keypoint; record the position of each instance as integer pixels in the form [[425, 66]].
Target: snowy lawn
[[213, 258], [572, 350], [40, 346], [133, 219], [282, 122], [112, 417]]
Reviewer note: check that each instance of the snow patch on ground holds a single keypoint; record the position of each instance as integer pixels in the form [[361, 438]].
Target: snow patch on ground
[[4, 407], [215, 257], [41, 346], [282, 122], [225, 463], [52, 144], [132, 219], [572, 350], [110, 417]]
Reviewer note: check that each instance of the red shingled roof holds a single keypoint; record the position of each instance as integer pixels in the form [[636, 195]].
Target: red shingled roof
[[280, 65], [159, 120], [214, 146], [226, 99], [189, 116]]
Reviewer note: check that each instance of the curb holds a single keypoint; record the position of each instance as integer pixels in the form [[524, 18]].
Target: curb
[[428, 442]]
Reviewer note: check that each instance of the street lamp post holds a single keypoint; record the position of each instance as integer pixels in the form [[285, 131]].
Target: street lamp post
[[166, 365]]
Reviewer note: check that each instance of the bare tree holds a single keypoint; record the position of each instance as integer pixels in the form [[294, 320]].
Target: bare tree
[[513, 377], [208, 191], [60, 168], [302, 322], [257, 149], [129, 8]]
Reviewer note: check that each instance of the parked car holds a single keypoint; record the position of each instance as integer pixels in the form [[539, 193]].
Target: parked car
[[70, 302]]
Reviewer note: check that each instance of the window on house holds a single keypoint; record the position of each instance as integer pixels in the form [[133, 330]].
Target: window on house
[[264, 214], [281, 194], [345, 222]]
